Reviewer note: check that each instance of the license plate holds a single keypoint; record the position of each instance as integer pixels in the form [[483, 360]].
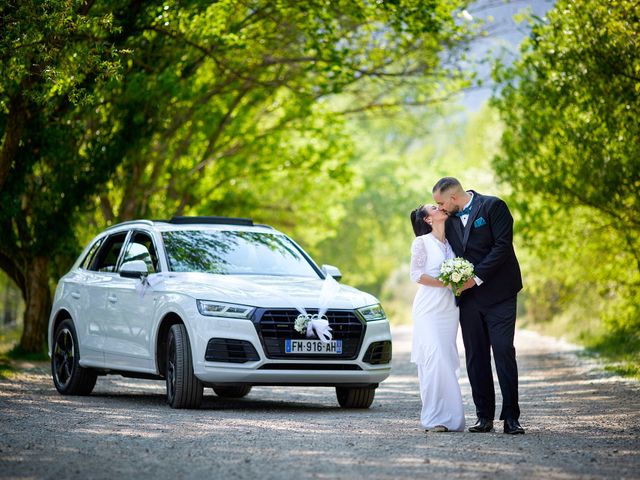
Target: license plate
[[334, 347]]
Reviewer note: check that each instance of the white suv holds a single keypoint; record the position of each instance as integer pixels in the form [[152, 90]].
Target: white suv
[[213, 302]]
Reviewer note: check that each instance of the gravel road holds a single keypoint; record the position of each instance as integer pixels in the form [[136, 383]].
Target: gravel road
[[580, 421]]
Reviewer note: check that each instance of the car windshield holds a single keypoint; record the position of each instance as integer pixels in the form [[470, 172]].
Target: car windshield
[[234, 253]]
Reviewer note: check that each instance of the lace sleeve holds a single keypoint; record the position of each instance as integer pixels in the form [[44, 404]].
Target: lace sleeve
[[418, 259]]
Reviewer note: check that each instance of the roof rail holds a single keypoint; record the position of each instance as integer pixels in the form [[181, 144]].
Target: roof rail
[[130, 222], [212, 220]]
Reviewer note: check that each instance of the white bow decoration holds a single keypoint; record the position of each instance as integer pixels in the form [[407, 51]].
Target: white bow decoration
[[308, 324], [319, 323], [321, 328]]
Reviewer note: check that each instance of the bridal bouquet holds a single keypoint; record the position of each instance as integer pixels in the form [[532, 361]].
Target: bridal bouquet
[[455, 272]]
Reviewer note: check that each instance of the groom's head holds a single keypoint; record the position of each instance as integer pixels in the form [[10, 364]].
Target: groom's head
[[449, 195]]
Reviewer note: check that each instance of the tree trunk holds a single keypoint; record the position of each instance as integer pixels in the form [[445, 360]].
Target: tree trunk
[[37, 307], [9, 310], [12, 135]]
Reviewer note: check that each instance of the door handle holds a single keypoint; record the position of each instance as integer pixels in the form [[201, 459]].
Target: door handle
[[75, 294], [112, 298]]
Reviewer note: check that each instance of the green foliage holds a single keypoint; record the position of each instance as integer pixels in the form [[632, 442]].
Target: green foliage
[[12, 355], [571, 153], [54, 130], [244, 118], [19, 353], [112, 110], [398, 160], [6, 369], [8, 339]]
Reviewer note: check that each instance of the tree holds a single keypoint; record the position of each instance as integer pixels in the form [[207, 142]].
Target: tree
[[571, 150], [261, 104], [55, 57], [398, 160], [138, 108]]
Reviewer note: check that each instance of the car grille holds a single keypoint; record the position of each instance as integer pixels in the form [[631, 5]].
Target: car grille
[[378, 353], [230, 350], [274, 326]]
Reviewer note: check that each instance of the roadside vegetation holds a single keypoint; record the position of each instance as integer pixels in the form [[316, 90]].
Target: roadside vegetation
[[289, 114], [570, 153]]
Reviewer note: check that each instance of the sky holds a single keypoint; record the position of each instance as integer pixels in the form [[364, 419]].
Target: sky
[[505, 38]]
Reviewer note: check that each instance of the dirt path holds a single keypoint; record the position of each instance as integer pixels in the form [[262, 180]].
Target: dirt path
[[581, 423]]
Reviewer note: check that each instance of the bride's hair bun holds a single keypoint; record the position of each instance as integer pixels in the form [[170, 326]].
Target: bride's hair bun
[[420, 227]]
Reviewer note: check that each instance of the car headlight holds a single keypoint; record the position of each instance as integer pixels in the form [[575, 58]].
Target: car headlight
[[372, 312], [219, 309]]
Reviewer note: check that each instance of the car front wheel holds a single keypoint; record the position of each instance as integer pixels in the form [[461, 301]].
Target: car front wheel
[[69, 377], [355, 397], [184, 390]]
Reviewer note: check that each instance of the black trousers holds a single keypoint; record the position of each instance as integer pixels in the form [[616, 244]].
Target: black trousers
[[486, 328]]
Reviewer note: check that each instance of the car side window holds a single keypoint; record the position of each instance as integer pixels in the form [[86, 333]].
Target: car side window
[[141, 247], [107, 256], [86, 262]]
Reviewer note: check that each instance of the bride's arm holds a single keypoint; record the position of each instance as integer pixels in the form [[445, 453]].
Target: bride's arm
[[418, 261]]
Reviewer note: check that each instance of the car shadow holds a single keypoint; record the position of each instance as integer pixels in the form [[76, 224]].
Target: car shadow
[[153, 395], [211, 402]]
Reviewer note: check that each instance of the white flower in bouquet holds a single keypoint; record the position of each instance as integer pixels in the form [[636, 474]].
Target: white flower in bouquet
[[301, 323], [455, 272]]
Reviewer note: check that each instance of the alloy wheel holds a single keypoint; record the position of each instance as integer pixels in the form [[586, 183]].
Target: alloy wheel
[[171, 369], [63, 357]]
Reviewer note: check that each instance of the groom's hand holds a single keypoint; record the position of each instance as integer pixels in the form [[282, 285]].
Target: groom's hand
[[468, 284]]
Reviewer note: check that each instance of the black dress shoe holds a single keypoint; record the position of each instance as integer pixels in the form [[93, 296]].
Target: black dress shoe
[[482, 425], [512, 427]]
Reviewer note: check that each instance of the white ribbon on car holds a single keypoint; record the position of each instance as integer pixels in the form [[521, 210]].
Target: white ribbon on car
[[320, 323], [316, 323], [149, 282]]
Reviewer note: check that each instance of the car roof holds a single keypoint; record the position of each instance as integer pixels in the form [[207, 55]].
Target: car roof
[[194, 223]]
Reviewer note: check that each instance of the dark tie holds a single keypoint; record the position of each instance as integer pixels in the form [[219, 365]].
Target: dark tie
[[464, 211]]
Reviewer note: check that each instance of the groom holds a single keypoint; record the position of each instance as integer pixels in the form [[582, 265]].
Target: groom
[[480, 229]]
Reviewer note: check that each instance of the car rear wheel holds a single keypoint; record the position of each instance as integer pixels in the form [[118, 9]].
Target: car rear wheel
[[69, 377], [184, 390], [233, 392], [355, 397]]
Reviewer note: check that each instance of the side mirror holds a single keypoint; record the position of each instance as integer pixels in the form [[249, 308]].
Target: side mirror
[[133, 269], [332, 271]]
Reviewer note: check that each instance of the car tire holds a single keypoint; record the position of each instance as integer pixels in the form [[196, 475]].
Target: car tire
[[232, 392], [184, 389], [355, 397], [69, 377]]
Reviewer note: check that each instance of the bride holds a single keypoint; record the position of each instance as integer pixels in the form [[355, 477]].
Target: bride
[[435, 325]]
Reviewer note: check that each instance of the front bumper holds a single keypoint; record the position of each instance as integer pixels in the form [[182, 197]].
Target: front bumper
[[280, 371]]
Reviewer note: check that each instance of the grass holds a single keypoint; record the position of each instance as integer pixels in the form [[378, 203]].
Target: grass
[[620, 351], [625, 370], [11, 353], [6, 369], [9, 337]]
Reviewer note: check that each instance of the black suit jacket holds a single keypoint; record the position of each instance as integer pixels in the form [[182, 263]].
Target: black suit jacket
[[487, 242]]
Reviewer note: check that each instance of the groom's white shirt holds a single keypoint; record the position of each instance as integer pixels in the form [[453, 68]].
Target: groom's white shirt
[[464, 219]]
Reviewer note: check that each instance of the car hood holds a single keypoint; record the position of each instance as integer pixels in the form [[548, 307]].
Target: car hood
[[263, 290]]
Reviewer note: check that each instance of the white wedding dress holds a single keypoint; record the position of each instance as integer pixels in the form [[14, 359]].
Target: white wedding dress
[[435, 328]]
